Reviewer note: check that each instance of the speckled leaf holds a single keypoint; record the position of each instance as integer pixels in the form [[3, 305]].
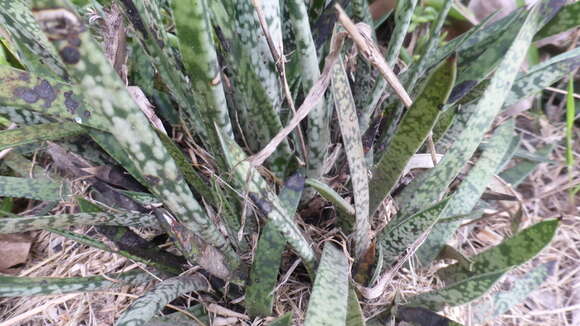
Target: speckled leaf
[[30, 43], [400, 234], [468, 192], [264, 276], [419, 316], [39, 189], [503, 300], [200, 59], [38, 133], [145, 17], [543, 75], [403, 14], [568, 17], [152, 302], [268, 255], [30, 223], [329, 194], [354, 314], [318, 119], [181, 319], [486, 109], [329, 299], [456, 294], [351, 138], [518, 173], [14, 286], [510, 253], [24, 90], [249, 180], [412, 132], [127, 123], [21, 116]]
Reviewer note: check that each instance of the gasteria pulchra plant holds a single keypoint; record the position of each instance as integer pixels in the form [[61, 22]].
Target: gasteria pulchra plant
[[261, 93]]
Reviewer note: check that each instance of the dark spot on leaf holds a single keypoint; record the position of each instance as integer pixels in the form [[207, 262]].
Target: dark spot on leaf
[[461, 90], [135, 18], [295, 182], [152, 179], [26, 94], [421, 316], [70, 55], [441, 107], [43, 283], [74, 41], [264, 205], [70, 102], [87, 114], [46, 92]]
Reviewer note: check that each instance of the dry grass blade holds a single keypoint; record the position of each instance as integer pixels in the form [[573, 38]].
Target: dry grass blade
[[372, 54]]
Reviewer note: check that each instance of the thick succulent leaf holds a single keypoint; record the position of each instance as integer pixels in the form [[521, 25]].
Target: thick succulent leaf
[[510, 253], [318, 130], [543, 75], [351, 138], [181, 319], [399, 235], [329, 299], [130, 127], [30, 223], [145, 17], [14, 286], [38, 133], [568, 17], [148, 305], [285, 320], [249, 180], [403, 14], [200, 59], [423, 317], [504, 300], [412, 132], [24, 90], [354, 314], [487, 108], [39, 189], [329, 194], [264, 275], [457, 294], [468, 193], [31, 44], [21, 116]]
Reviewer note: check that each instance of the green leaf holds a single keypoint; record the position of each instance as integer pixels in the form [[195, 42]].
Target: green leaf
[[412, 132], [568, 17], [267, 258], [510, 253], [354, 314], [14, 286], [249, 181], [38, 133], [21, 116], [399, 235], [31, 44], [487, 108], [285, 320], [351, 137], [457, 294], [39, 189], [502, 301], [329, 299], [468, 193], [329, 194], [519, 172], [149, 304], [30, 223], [423, 317], [130, 127], [181, 319]]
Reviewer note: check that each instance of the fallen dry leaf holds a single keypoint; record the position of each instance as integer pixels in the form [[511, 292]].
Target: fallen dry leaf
[[14, 249]]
